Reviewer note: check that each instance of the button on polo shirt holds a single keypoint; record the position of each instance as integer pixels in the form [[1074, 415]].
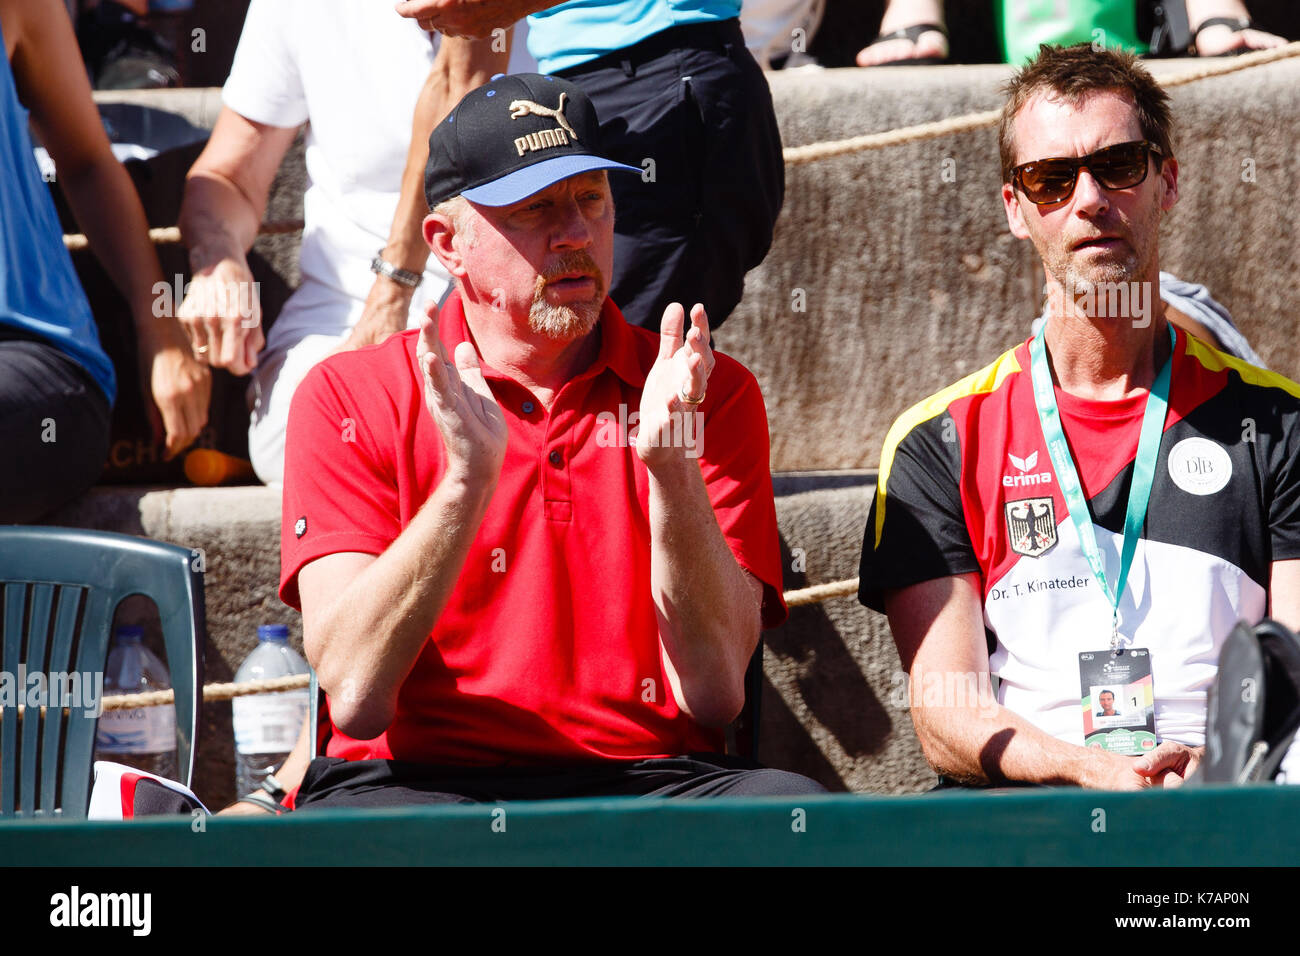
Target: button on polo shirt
[[548, 649]]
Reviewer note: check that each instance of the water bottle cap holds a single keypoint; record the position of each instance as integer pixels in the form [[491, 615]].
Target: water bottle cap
[[131, 634], [273, 632]]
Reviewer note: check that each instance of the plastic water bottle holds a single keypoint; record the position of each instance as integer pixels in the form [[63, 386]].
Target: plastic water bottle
[[267, 725], [144, 738]]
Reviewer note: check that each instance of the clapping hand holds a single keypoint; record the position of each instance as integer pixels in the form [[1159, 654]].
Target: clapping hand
[[675, 387], [457, 395]]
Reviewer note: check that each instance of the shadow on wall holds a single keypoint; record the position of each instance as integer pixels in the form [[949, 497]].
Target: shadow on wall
[[816, 700]]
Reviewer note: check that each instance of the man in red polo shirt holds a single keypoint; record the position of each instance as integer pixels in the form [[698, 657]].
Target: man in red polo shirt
[[523, 570]]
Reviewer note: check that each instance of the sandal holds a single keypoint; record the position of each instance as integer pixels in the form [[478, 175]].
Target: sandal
[[913, 33]]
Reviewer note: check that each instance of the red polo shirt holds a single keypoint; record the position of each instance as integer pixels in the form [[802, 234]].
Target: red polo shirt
[[548, 649]]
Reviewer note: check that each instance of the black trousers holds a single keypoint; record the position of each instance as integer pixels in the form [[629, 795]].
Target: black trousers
[[691, 108], [331, 782], [54, 428]]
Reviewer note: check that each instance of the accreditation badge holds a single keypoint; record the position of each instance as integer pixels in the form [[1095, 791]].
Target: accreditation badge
[[1119, 712]]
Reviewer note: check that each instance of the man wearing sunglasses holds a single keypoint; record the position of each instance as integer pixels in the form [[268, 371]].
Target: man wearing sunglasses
[[1100, 505]]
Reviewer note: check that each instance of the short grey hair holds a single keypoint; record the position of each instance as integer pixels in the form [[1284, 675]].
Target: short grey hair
[[457, 210]]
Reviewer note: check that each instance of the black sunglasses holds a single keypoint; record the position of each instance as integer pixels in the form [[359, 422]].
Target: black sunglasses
[[1120, 166]]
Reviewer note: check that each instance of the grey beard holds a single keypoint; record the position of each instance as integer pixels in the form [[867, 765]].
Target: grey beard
[[563, 322], [566, 322]]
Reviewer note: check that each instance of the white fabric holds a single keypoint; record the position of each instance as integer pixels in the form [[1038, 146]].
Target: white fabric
[[106, 790], [1185, 636], [769, 26], [353, 69], [318, 322]]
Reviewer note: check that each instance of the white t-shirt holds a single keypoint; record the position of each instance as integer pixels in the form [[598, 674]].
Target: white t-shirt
[[353, 69]]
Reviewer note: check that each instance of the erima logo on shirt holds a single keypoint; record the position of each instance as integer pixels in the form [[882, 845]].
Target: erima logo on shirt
[[300, 527], [547, 138], [1028, 476]]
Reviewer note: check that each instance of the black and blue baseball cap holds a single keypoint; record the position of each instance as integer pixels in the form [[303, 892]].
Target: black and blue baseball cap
[[512, 137]]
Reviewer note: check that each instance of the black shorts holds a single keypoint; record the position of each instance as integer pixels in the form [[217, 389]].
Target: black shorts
[[331, 782], [54, 428], [691, 108]]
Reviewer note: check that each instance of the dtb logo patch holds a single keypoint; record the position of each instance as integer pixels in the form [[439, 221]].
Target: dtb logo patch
[[1199, 466], [1031, 526]]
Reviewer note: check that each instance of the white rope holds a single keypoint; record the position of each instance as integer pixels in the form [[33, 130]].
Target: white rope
[[212, 692], [170, 235], [798, 155]]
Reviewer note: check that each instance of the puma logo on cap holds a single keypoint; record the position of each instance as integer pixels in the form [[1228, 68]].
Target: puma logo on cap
[[547, 138]]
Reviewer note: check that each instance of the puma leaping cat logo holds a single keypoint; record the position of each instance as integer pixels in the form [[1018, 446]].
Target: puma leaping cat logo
[[522, 108]]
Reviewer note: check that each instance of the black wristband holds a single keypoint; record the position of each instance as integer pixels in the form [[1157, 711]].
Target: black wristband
[[258, 799], [272, 786], [1237, 24]]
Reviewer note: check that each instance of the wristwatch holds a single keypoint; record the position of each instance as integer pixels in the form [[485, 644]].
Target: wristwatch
[[406, 277], [269, 795]]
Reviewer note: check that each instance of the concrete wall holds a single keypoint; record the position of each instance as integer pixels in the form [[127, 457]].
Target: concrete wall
[[911, 281], [901, 258]]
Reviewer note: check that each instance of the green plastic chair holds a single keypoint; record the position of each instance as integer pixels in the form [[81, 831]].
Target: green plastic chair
[[59, 589]]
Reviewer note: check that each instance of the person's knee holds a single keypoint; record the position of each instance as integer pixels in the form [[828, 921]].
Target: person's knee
[[776, 783]]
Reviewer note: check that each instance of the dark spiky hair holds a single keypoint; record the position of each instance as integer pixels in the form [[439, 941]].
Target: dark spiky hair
[[1074, 72]]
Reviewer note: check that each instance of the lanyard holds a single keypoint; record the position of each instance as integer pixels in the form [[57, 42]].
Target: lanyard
[[1144, 468]]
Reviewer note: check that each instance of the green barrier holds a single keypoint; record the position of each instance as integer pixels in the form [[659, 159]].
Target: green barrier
[[1024, 24], [1249, 826]]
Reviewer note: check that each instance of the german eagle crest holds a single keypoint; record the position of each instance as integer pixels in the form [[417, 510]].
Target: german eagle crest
[[1031, 526]]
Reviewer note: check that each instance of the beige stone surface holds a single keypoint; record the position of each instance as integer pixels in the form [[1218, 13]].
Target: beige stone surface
[[911, 281], [832, 705], [901, 261]]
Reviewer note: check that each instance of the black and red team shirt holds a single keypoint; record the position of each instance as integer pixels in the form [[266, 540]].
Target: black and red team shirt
[[547, 651], [966, 486]]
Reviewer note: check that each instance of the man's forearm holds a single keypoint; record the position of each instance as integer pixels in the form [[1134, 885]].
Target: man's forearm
[[978, 741], [460, 66], [708, 617], [105, 205], [217, 221], [364, 642], [406, 247], [475, 18]]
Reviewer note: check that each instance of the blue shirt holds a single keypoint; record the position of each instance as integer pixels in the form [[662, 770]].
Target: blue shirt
[[580, 30], [39, 291]]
